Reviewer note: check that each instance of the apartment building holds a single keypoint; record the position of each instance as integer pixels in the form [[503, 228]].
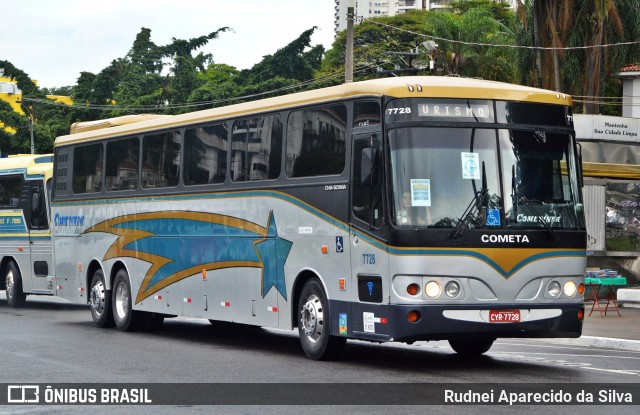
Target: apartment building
[[375, 8]]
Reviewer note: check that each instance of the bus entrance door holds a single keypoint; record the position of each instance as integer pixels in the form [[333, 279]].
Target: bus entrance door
[[369, 259], [39, 240]]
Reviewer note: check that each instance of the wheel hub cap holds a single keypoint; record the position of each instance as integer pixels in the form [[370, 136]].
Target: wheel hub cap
[[122, 300], [96, 298], [312, 318]]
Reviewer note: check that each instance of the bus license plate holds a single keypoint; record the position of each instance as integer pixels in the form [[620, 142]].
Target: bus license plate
[[504, 316]]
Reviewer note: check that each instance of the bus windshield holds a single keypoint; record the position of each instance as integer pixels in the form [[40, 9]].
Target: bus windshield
[[444, 176]]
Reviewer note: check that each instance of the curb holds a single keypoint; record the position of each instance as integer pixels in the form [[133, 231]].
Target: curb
[[601, 342]]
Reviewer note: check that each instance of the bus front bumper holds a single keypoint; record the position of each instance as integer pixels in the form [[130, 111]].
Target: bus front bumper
[[444, 322]]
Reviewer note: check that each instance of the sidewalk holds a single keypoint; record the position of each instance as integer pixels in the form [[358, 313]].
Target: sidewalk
[[625, 327], [610, 331]]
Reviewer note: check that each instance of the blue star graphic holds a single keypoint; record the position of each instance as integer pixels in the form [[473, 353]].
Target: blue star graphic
[[273, 252]]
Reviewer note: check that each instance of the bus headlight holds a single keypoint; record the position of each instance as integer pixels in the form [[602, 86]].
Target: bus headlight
[[570, 289], [452, 289], [432, 289], [554, 289]]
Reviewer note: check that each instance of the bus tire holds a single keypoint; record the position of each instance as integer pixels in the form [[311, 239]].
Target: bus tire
[[13, 284], [314, 324], [100, 301], [125, 318], [467, 347]]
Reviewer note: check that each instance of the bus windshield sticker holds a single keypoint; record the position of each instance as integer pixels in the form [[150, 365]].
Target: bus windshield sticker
[[493, 217], [420, 192], [470, 166]]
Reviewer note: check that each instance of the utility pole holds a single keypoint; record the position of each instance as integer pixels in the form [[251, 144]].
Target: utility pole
[[348, 65], [33, 146], [30, 110]]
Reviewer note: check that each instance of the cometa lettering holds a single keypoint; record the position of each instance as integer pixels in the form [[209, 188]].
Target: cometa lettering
[[504, 239], [59, 220]]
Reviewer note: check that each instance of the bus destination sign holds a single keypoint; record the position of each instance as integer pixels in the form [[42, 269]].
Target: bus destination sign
[[467, 110]]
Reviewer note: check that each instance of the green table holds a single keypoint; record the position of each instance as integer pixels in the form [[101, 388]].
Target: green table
[[609, 283]]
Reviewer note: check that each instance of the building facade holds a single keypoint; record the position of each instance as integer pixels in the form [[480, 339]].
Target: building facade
[[375, 8]]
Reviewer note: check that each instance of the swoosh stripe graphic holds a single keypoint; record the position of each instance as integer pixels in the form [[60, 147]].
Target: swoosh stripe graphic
[[214, 242]]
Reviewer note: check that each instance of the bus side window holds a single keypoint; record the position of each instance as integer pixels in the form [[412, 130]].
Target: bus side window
[[256, 148], [122, 164], [161, 160], [366, 113], [205, 154], [10, 188], [316, 141], [88, 168]]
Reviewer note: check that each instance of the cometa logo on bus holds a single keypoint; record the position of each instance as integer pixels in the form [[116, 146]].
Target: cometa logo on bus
[[504, 239], [59, 220]]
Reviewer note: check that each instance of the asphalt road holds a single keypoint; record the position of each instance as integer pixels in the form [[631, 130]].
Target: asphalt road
[[51, 341]]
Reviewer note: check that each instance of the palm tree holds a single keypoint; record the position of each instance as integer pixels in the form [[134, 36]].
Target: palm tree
[[463, 55], [573, 24]]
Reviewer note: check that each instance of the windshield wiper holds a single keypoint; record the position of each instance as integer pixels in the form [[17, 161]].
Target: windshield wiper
[[519, 197], [480, 199]]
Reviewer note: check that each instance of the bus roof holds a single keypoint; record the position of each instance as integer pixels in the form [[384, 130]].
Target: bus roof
[[33, 164], [399, 87], [84, 126]]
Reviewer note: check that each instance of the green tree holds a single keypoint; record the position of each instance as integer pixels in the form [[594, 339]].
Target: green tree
[[465, 29], [136, 80], [20, 141], [296, 62], [571, 25], [374, 38], [217, 84], [183, 72]]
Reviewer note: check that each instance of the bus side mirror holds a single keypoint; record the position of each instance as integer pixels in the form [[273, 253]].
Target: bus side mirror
[[36, 202], [368, 167]]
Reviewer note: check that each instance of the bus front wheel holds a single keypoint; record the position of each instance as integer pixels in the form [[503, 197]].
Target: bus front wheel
[[126, 319], [100, 301], [13, 283], [471, 347], [314, 324]]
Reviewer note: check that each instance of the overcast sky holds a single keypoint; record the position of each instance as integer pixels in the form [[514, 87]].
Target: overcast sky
[[54, 40]]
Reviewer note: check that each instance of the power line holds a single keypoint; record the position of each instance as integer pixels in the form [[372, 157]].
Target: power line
[[105, 107], [501, 45]]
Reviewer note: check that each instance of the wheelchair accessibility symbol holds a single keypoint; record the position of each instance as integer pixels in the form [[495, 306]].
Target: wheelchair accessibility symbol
[[493, 217], [339, 244]]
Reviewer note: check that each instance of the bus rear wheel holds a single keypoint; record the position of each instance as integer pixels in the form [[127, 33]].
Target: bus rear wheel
[[471, 347], [100, 301], [126, 319], [13, 283], [314, 324]]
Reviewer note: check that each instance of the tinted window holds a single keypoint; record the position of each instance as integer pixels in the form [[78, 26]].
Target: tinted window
[[10, 188], [88, 168], [316, 141], [205, 155], [366, 113], [257, 148], [122, 164], [161, 160]]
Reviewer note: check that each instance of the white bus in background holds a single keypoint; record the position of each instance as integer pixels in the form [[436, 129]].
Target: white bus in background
[[26, 263]]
